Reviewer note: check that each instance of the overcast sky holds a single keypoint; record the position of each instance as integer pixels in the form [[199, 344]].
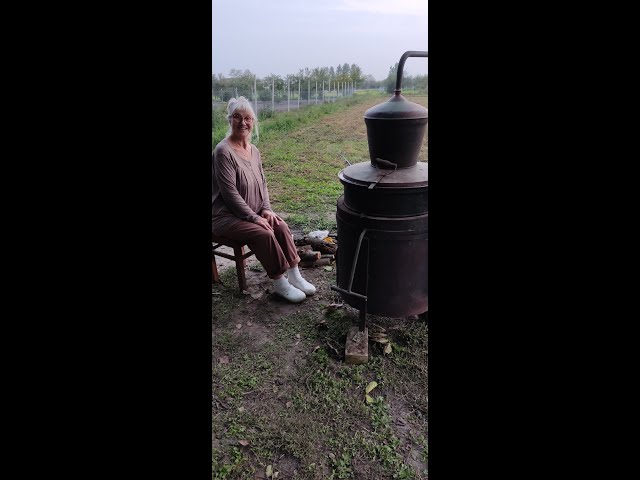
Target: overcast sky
[[283, 36]]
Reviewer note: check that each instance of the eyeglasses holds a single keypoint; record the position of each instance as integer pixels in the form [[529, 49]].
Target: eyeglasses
[[239, 118]]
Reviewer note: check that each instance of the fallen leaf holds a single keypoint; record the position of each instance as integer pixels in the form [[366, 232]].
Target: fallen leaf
[[298, 336], [289, 404], [371, 386], [327, 268], [244, 443], [275, 474], [268, 471], [249, 324], [245, 292], [387, 349], [238, 325], [316, 348], [241, 409], [368, 399], [224, 359]]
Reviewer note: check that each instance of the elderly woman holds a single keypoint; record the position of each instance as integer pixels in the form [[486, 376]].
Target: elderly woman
[[240, 204]]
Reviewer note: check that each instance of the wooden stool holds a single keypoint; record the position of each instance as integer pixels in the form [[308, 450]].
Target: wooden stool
[[239, 256]]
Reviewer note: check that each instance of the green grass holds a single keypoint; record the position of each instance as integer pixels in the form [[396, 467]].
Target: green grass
[[308, 407], [287, 392]]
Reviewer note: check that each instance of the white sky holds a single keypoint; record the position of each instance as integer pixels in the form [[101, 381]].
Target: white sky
[[283, 36]]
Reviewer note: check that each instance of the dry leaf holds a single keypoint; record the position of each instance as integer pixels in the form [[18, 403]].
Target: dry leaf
[[371, 386], [249, 324], [327, 268], [298, 336], [238, 325], [244, 443], [241, 409], [289, 404], [224, 359], [387, 349], [268, 471], [368, 399], [316, 348]]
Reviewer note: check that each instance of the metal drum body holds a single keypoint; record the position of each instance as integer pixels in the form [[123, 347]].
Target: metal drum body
[[391, 266], [383, 215]]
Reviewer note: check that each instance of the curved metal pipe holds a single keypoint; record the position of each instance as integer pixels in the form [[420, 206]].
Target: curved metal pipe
[[403, 58]]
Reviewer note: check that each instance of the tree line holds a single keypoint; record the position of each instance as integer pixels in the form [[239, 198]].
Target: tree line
[[224, 87]]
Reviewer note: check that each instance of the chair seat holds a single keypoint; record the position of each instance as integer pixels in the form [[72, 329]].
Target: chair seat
[[225, 241]]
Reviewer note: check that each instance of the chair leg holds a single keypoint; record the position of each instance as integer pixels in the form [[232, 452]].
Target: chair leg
[[240, 265], [214, 268]]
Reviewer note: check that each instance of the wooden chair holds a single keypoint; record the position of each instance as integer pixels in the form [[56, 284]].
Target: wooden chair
[[239, 256]]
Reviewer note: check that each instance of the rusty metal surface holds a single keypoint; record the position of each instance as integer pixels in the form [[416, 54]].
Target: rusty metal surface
[[382, 218], [392, 193], [396, 128], [397, 108], [365, 173], [391, 266], [397, 141]]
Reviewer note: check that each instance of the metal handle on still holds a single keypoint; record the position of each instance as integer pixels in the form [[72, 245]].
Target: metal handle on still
[[349, 292]]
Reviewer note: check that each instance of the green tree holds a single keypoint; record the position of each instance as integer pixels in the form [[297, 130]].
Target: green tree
[[390, 82]]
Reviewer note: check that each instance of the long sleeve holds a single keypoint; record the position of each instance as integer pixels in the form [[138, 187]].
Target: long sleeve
[[225, 175], [266, 203]]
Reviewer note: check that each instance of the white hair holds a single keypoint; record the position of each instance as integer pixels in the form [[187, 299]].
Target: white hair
[[242, 105]]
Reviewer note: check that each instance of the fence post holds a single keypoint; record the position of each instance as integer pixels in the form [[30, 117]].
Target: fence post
[[255, 95]]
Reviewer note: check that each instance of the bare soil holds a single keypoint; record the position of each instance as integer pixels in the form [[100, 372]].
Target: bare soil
[[287, 391]]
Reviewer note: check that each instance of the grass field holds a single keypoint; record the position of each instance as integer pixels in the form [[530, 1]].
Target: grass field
[[283, 401]]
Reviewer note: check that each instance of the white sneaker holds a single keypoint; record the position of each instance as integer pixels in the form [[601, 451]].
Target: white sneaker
[[301, 284], [291, 293]]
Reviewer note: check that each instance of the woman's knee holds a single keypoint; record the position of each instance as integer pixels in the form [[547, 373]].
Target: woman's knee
[[282, 227]]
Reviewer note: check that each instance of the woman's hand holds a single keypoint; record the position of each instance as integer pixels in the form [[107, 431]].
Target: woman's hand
[[264, 223], [271, 217]]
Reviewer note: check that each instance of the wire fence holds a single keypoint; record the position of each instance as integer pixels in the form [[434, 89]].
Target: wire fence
[[284, 99]]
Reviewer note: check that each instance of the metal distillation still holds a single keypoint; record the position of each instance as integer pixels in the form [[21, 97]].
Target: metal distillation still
[[382, 217]]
